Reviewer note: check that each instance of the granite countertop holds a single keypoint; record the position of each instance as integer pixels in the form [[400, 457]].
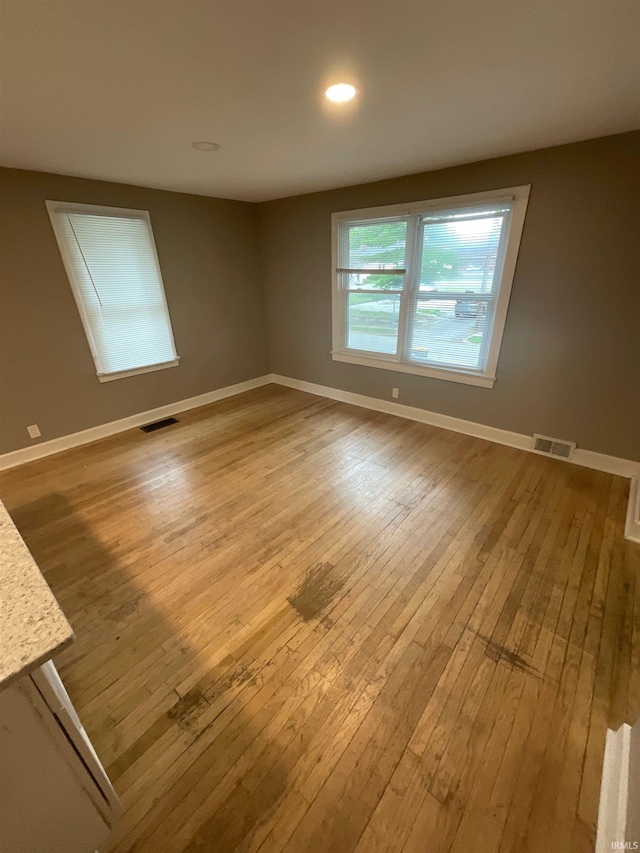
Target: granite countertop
[[32, 625]]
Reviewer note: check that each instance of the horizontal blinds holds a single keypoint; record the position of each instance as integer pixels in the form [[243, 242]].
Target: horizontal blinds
[[460, 252], [460, 272], [449, 333], [117, 279], [447, 297]]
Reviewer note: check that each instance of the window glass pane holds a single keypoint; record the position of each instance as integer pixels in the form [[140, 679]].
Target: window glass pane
[[375, 281], [449, 331], [459, 254], [372, 322], [377, 245]]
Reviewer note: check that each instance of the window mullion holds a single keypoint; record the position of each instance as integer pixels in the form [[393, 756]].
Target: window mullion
[[411, 287]]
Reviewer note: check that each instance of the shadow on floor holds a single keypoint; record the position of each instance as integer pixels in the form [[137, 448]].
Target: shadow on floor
[[168, 727]]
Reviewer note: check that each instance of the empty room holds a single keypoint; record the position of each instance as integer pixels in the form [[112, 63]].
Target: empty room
[[319, 426]]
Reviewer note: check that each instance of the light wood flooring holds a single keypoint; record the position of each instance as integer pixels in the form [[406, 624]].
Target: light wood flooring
[[303, 626]]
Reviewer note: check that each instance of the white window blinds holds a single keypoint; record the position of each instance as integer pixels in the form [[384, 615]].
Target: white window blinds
[[461, 257], [111, 261], [426, 290]]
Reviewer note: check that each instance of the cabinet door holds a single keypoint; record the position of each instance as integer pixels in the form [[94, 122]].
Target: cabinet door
[[53, 691], [45, 806]]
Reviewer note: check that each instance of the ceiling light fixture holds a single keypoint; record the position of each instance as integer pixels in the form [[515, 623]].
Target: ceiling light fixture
[[205, 146], [341, 92]]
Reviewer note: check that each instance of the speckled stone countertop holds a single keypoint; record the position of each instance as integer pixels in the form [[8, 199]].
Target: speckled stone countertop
[[32, 624]]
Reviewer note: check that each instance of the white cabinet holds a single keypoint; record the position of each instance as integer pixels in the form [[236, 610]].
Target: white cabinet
[[55, 796]]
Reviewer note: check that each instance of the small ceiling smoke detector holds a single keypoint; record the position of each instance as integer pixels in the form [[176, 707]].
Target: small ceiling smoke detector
[[205, 146], [341, 92]]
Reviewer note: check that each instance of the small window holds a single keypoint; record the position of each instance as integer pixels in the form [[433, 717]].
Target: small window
[[110, 258], [425, 288]]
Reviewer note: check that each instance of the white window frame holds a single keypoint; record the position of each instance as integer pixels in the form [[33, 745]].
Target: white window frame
[[54, 207], [484, 378]]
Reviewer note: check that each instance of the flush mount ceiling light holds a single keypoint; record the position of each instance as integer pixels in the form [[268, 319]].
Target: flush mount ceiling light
[[205, 146], [340, 92]]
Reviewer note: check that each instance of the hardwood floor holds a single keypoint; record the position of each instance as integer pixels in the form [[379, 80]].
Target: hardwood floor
[[304, 626]]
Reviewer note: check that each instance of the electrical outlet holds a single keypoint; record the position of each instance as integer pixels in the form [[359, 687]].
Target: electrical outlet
[[34, 431], [395, 393]]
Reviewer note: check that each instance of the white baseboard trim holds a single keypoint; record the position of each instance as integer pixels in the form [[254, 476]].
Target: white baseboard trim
[[614, 790], [632, 527], [66, 442], [586, 458]]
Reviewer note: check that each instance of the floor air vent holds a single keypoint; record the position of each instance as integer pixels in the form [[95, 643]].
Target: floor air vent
[[553, 446], [159, 424]]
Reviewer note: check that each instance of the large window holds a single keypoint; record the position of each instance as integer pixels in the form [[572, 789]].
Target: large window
[[424, 288], [111, 261]]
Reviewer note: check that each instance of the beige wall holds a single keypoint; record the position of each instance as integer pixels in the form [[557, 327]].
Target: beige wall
[[570, 360], [210, 265]]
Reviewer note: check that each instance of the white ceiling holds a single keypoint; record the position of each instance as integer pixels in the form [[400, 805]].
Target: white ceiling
[[119, 89]]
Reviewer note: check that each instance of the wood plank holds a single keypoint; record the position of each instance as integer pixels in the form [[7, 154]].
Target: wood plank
[[308, 626]]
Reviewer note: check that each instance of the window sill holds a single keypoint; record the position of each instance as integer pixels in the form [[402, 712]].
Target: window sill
[[419, 370], [122, 374]]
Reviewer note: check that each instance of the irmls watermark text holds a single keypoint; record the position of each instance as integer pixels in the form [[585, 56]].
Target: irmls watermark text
[[625, 845]]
